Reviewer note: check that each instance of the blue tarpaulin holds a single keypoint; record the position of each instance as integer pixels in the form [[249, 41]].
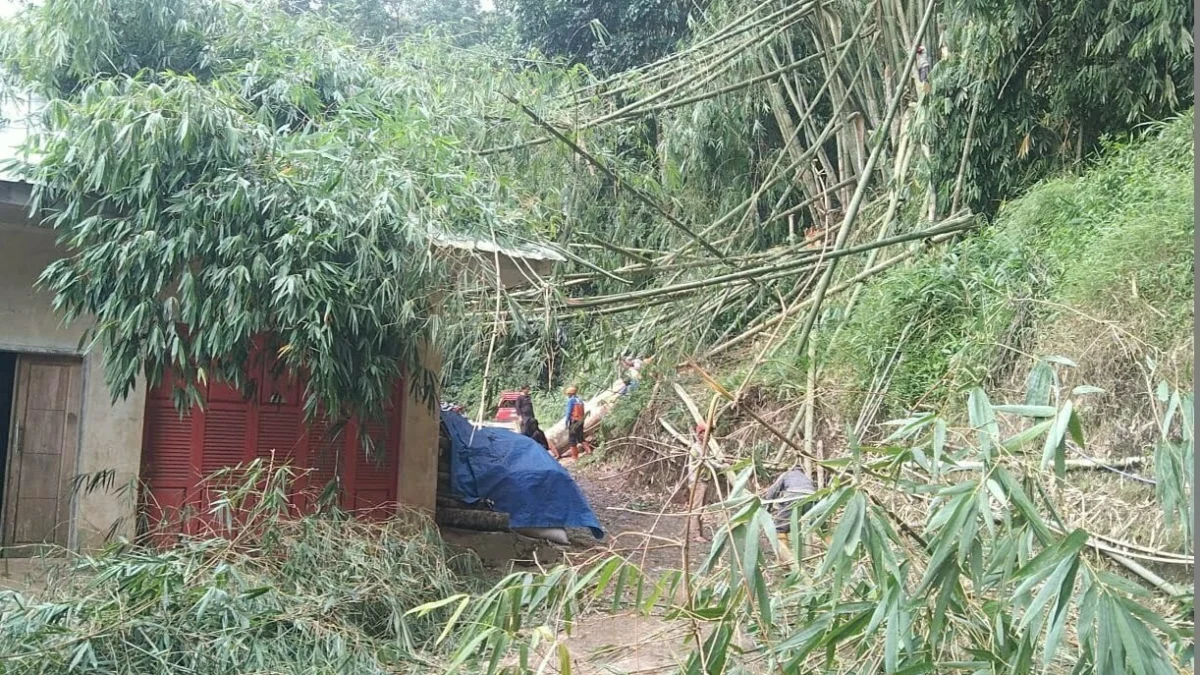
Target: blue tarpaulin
[[516, 475]]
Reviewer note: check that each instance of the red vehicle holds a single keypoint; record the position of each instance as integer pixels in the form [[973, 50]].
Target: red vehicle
[[507, 410]]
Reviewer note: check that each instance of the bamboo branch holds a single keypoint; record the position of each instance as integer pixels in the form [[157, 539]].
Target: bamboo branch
[[641, 196], [860, 191]]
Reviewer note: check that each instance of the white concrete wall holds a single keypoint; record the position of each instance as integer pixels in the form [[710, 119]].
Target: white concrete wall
[[111, 433]]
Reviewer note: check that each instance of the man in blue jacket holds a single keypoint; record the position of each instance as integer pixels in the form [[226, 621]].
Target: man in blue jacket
[[575, 414]]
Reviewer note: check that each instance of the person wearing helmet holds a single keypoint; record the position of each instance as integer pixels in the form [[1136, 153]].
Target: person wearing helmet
[[575, 415]]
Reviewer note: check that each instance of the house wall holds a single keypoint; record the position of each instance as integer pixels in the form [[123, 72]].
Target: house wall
[[110, 433], [417, 486]]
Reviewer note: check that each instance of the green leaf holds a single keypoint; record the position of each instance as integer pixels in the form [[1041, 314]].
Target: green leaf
[[1021, 501], [939, 445], [1056, 438], [846, 536], [423, 609], [1018, 440], [983, 419], [1034, 411], [1051, 556], [564, 659], [1075, 427], [1038, 384]]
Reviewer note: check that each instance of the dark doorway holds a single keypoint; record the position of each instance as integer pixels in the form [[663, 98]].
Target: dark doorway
[[8, 383]]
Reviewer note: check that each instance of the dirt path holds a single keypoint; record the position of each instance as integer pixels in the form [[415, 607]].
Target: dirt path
[[641, 526], [638, 524]]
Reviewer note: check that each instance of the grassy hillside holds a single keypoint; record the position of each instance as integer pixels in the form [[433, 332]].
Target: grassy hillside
[[1096, 268]]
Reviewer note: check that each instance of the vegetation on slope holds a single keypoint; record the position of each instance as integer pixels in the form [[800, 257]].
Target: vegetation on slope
[[1079, 266]]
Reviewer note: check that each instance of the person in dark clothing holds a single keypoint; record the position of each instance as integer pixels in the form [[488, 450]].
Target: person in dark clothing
[[525, 414], [536, 433], [574, 418], [789, 490]]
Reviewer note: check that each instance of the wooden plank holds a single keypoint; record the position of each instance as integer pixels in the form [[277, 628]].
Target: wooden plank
[[69, 455]]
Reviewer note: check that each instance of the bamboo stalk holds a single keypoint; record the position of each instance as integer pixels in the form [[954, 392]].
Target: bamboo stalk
[[641, 196], [1121, 463], [966, 154], [762, 273], [810, 399], [904, 156], [860, 192], [642, 107], [727, 32], [1150, 577], [865, 274], [815, 147]]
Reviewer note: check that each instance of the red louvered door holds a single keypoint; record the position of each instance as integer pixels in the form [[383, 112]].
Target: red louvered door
[[180, 451]]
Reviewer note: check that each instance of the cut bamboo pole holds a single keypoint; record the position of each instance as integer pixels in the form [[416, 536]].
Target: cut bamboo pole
[[865, 274]]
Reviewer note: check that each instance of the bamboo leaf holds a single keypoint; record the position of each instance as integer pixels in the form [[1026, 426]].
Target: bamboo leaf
[[1056, 438], [983, 419], [1034, 411]]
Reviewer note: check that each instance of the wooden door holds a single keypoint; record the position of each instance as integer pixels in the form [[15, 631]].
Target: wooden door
[[42, 449]]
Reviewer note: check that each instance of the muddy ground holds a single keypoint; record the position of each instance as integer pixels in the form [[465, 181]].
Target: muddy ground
[[638, 523], [643, 527]]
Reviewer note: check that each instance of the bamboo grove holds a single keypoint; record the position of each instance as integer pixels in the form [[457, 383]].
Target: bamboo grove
[[223, 170]]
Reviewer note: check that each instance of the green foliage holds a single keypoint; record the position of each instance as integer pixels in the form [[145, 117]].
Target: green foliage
[[1077, 242], [1052, 78], [384, 20], [1174, 458], [991, 582], [324, 593], [222, 171], [607, 35]]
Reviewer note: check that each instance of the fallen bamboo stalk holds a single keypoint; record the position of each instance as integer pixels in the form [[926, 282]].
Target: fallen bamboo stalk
[[726, 32], [633, 190], [865, 274], [643, 107], [860, 192], [800, 263], [1121, 463], [1150, 577]]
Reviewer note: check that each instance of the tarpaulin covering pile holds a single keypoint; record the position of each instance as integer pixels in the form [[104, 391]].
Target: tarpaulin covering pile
[[516, 475]]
